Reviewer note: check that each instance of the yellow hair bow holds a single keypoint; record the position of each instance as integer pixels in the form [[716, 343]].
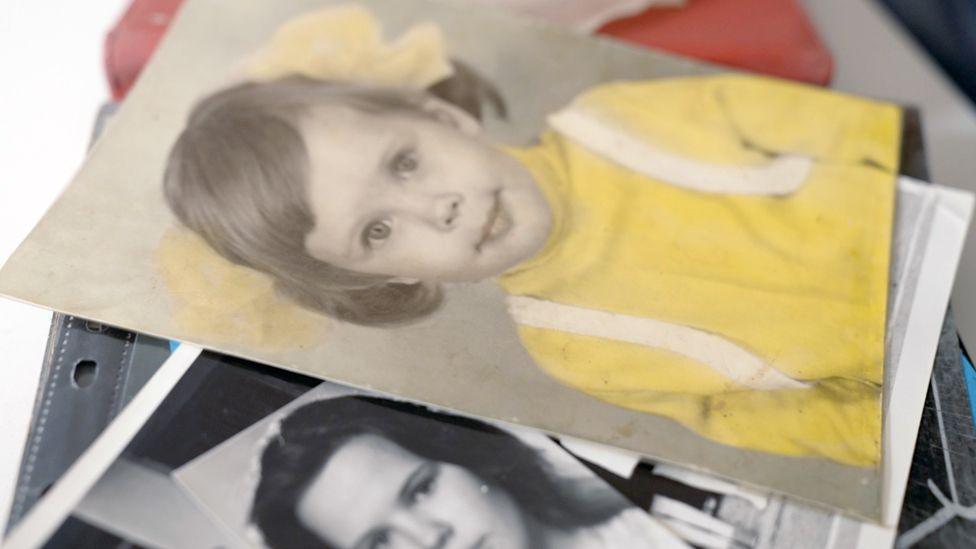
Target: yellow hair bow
[[346, 43]]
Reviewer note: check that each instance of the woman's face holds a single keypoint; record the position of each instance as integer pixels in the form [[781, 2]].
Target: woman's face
[[417, 195], [375, 494]]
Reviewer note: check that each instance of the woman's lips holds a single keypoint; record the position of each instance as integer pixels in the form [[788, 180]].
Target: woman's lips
[[497, 223]]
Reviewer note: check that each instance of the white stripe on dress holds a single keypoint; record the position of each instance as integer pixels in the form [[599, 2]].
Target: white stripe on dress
[[780, 176], [721, 355]]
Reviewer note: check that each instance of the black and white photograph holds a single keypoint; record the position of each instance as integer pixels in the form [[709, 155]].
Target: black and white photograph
[[350, 470], [243, 455]]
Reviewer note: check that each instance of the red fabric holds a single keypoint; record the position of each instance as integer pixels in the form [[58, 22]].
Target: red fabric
[[772, 37], [132, 41]]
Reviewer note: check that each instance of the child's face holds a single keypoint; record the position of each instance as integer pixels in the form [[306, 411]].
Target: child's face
[[416, 197]]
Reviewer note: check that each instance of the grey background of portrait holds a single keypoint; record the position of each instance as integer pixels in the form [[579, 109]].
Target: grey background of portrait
[[93, 253], [223, 480]]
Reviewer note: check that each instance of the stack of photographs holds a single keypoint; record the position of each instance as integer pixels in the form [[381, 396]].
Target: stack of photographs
[[562, 292], [300, 463]]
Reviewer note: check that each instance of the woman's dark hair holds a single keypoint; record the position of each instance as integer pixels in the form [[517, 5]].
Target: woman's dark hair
[[312, 434], [237, 176]]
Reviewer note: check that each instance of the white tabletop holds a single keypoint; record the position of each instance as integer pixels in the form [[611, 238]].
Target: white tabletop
[[53, 85]]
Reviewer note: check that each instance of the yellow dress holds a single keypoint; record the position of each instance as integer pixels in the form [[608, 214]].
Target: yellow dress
[[799, 278]]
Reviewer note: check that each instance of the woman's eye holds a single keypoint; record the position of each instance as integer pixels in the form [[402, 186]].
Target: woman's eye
[[404, 163], [377, 232], [423, 488]]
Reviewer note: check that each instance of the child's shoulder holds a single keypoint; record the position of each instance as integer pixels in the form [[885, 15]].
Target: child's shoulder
[[679, 114], [698, 88]]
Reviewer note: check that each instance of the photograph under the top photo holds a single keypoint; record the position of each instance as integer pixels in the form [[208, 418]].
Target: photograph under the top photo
[[339, 469]]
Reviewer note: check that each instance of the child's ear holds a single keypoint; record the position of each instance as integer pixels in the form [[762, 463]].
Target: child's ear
[[452, 115]]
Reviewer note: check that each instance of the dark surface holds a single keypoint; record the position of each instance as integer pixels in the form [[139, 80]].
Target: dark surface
[[947, 30], [78, 534], [945, 454], [912, 162], [217, 398]]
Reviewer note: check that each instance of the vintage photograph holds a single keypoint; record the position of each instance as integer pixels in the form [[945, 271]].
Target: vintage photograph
[[629, 249], [362, 186], [342, 469], [338, 468]]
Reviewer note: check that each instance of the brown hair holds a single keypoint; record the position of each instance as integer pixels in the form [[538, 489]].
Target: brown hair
[[237, 176]]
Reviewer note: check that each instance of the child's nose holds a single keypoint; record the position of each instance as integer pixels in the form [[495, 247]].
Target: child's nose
[[447, 210], [440, 210]]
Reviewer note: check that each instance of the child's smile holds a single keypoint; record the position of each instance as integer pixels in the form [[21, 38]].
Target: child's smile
[[417, 195], [497, 224]]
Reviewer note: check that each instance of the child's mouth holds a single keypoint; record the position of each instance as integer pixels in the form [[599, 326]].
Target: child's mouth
[[497, 223]]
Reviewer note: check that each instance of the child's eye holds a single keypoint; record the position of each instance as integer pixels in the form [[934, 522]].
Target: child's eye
[[404, 163], [376, 232]]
